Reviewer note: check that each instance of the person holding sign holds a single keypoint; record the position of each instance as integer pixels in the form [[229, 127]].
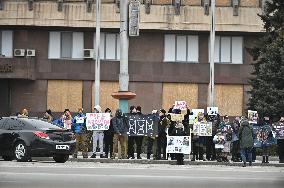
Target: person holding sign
[[226, 129], [98, 136], [120, 128], [264, 136], [66, 119], [164, 123], [178, 130], [279, 129], [246, 141], [108, 137], [80, 131]]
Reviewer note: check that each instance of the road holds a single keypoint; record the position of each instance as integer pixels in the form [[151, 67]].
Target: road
[[45, 174]]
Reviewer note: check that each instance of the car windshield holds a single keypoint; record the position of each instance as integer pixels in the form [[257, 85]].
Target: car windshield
[[41, 124]]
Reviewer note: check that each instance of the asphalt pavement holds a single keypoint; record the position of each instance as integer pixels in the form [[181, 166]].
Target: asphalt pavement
[[47, 174]]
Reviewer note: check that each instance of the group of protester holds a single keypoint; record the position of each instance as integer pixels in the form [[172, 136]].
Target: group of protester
[[235, 138]]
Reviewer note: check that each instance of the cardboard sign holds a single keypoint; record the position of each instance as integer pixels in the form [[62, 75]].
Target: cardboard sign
[[179, 144], [181, 105], [98, 121], [196, 111], [177, 117], [202, 129], [252, 117], [213, 111], [142, 125]]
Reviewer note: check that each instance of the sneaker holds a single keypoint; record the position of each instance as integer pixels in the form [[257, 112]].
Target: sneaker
[[93, 156]]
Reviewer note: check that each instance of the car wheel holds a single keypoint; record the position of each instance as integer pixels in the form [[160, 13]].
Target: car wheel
[[7, 158], [21, 152], [61, 158]]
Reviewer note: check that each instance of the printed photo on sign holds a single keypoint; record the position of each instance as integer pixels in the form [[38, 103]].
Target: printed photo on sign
[[97, 121], [202, 129], [252, 116], [179, 144], [213, 111], [279, 131], [196, 111], [181, 105], [67, 124]]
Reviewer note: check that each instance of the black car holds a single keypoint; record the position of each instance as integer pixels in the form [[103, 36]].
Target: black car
[[24, 138]]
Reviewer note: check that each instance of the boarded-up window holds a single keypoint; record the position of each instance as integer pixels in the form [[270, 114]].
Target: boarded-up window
[[180, 92], [229, 99], [106, 100], [62, 94]]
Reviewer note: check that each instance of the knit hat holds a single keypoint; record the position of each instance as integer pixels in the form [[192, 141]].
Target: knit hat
[[98, 108], [163, 111]]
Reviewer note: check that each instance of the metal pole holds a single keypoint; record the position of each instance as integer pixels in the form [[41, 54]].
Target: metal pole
[[212, 47], [123, 76], [98, 63]]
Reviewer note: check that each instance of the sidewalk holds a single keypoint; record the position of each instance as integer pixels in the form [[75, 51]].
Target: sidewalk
[[273, 161]]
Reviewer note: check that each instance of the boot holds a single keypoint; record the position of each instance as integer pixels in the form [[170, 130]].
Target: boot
[[101, 156], [263, 159], [148, 156], [244, 165], [93, 156], [266, 159]]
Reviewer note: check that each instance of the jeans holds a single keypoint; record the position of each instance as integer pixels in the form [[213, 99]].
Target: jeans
[[246, 153], [98, 136]]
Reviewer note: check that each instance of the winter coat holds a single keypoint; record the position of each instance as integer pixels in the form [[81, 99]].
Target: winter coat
[[110, 131], [79, 128], [120, 125], [178, 131], [164, 123], [246, 135]]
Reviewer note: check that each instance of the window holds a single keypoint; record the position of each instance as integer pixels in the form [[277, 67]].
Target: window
[[6, 43], [181, 48], [109, 46], [66, 45], [228, 49]]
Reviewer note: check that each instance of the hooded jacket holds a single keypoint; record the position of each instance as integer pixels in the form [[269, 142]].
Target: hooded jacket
[[246, 135], [119, 122]]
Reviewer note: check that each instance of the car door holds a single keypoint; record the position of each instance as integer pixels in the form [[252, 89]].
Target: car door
[[3, 131], [13, 127]]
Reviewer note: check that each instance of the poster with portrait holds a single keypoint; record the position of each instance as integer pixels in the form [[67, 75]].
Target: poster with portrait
[[191, 119], [278, 130], [196, 111], [202, 129], [212, 111], [179, 144], [252, 116]]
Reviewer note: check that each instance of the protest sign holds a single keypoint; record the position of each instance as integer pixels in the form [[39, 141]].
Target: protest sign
[[177, 117], [80, 119], [213, 111], [179, 144], [191, 119], [252, 116], [67, 124], [142, 125], [279, 130], [196, 111], [181, 105], [219, 140], [202, 129], [262, 136], [97, 121]]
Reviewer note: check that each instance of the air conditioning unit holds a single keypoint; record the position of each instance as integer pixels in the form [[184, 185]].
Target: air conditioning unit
[[30, 52], [89, 53], [19, 52]]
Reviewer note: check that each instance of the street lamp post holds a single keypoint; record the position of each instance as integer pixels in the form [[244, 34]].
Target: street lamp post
[[98, 63], [212, 49]]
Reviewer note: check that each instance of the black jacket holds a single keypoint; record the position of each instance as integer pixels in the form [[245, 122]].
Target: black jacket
[[120, 125]]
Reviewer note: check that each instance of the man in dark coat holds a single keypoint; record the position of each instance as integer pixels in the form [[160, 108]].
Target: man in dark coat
[[108, 137], [246, 141], [164, 123]]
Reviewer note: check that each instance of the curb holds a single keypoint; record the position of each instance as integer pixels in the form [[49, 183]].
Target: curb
[[170, 162]]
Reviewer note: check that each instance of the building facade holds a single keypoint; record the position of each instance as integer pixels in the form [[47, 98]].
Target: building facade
[[42, 64]]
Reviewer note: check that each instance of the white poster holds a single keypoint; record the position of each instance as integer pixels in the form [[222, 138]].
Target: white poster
[[179, 144], [196, 111], [181, 105], [98, 121], [252, 117], [202, 129]]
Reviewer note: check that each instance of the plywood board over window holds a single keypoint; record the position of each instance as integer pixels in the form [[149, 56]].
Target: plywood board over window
[[229, 99], [180, 92], [62, 94], [106, 100]]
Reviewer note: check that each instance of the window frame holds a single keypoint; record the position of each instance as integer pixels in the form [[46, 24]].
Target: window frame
[[231, 51], [186, 48], [103, 56], [61, 44]]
